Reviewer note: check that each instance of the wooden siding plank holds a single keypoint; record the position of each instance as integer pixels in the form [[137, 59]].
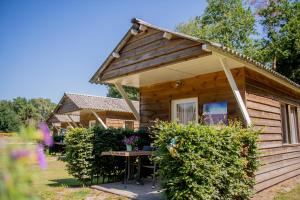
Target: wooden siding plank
[[277, 165], [262, 107], [267, 129], [266, 122], [189, 53], [274, 181], [146, 40], [270, 137], [279, 157], [174, 46], [273, 174], [263, 114], [269, 144], [262, 100], [281, 150]]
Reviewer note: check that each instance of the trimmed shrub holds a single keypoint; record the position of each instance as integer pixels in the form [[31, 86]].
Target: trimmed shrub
[[206, 162], [79, 153], [110, 139]]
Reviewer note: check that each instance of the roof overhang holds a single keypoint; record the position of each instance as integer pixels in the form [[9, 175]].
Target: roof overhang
[[188, 68], [174, 72]]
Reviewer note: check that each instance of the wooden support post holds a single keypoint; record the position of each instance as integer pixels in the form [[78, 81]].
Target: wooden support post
[[70, 124], [128, 101], [99, 119], [74, 123], [235, 90]]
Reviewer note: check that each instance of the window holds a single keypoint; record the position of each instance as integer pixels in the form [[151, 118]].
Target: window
[[129, 125], [290, 124], [92, 123], [185, 110]]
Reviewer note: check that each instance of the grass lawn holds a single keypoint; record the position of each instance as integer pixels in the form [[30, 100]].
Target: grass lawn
[[294, 194], [56, 184]]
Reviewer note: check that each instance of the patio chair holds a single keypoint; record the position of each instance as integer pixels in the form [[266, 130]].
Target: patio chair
[[151, 166]]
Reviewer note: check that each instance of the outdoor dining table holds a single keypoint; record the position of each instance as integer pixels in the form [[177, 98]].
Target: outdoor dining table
[[127, 155]]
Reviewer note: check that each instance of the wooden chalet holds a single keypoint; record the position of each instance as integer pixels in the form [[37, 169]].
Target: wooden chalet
[[186, 79], [92, 110], [60, 122]]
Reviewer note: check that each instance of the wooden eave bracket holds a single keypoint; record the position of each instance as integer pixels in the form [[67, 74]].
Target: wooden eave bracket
[[128, 101], [99, 119], [167, 35], [235, 90]]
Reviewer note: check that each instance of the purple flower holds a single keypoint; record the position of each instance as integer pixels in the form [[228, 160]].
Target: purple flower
[[18, 154], [48, 140], [131, 140], [41, 156]]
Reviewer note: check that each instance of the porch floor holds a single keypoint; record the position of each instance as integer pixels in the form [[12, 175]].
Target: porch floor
[[133, 191]]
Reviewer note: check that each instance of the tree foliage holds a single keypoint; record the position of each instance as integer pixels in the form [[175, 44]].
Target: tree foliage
[[227, 22], [232, 24], [9, 121], [21, 111], [132, 92], [281, 46]]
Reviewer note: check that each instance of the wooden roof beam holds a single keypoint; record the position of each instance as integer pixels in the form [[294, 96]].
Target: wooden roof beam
[[167, 35], [133, 31], [128, 101], [99, 119]]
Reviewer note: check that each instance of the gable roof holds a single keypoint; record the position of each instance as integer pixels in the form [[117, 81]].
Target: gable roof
[[210, 46], [59, 118], [91, 102]]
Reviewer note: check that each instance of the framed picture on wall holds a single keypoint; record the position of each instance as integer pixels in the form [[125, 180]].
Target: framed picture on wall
[[215, 113]]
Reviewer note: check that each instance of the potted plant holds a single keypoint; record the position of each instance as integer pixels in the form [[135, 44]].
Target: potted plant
[[130, 142]]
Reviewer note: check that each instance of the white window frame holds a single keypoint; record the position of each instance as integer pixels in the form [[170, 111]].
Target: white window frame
[[290, 124], [179, 101], [92, 123]]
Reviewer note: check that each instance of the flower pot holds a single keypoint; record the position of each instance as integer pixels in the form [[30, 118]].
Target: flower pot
[[128, 147]]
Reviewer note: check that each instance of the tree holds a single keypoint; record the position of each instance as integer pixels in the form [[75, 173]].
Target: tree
[[281, 46], [44, 107], [225, 22], [132, 92], [9, 120]]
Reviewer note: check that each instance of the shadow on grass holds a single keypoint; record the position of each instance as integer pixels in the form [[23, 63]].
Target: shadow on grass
[[66, 182]]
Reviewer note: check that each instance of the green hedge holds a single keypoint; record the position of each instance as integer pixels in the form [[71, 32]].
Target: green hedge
[[107, 167], [206, 162], [79, 153], [84, 147]]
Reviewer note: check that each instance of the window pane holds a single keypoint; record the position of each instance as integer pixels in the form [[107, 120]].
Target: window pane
[[293, 125], [284, 122], [186, 112], [129, 125]]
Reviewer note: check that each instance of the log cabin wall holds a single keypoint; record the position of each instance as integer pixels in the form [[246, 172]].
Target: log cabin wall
[[118, 119], [111, 119], [263, 98], [155, 101], [85, 118], [149, 49]]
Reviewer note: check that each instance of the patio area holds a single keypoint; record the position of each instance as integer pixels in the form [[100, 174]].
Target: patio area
[[133, 191]]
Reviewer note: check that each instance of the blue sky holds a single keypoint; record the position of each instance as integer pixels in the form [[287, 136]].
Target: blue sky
[[51, 47]]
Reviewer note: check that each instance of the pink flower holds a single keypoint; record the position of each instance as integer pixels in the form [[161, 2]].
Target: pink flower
[[18, 154], [48, 140], [41, 156]]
